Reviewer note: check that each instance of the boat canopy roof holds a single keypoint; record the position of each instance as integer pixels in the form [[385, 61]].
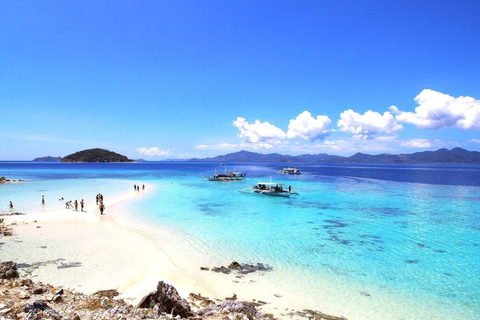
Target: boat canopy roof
[[271, 183]]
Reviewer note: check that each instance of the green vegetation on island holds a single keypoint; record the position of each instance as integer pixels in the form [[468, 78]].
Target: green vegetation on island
[[96, 155], [48, 159]]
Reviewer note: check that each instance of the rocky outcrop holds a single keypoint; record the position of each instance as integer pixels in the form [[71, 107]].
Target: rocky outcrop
[[166, 300], [242, 268], [40, 310], [8, 270], [236, 308], [28, 300]]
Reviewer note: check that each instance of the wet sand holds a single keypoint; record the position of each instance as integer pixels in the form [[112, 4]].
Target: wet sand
[[87, 252]]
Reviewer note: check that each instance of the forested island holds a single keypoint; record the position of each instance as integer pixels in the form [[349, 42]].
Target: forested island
[[96, 155]]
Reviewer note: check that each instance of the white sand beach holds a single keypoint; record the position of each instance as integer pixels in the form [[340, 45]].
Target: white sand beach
[[108, 254], [86, 251]]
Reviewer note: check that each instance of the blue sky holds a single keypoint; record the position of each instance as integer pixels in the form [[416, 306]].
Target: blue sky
[[181, 79]]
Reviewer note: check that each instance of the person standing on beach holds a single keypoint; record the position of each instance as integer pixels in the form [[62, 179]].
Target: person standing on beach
[[143, 187], [81, 205], [76, 205], [11, 205], [97, 198], [101, 207], [43, 200]]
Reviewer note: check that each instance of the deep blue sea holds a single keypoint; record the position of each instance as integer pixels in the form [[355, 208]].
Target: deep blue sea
[[394, 241]]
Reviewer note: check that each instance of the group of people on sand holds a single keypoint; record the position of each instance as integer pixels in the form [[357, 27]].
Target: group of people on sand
[[69, 205], [137, 188]]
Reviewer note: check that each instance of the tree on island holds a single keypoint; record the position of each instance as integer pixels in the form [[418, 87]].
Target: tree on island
[[96, 155]]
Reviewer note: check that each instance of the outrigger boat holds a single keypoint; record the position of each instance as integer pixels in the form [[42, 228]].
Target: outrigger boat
[[289, 171], [270, 189], [227, 176]]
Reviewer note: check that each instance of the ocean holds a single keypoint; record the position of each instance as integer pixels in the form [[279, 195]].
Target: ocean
[[390, 241]]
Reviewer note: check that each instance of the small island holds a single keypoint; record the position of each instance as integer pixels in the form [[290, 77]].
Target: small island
[[96, 155], [48, 159]]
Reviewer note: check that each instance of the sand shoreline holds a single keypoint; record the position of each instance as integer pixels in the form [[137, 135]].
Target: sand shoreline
[[87, 252], [101, 243]]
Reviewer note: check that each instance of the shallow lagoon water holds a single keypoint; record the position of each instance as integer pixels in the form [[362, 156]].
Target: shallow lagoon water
[[398, 241]]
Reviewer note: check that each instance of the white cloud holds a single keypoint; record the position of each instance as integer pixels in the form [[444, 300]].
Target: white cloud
[[367, 125], [437, 110], [475, 140], [307, 127], [416, 143], [259, 134], [220, 146], [154, 151]]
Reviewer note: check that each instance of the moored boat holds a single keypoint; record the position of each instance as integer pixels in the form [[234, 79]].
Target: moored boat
[[289, 171], [227, 176], [270, 189]]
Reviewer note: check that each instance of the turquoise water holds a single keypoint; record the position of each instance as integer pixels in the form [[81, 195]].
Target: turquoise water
[[408, 232]]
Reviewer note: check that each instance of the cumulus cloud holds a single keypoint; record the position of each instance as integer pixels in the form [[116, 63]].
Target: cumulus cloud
[[437, 110], [259, 134], [220, 146], [416, 143], [154, 151], [367, 125], [307, 127]]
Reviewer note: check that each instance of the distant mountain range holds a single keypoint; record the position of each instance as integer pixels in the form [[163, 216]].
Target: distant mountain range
[[456, 155]]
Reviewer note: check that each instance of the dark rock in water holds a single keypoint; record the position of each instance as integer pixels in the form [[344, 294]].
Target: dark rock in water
[[231, 307], [248, 268], [221, 269], [166, 299], [242, 268], [411, 261], [69, 265], [235, 266], [8, 270]]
